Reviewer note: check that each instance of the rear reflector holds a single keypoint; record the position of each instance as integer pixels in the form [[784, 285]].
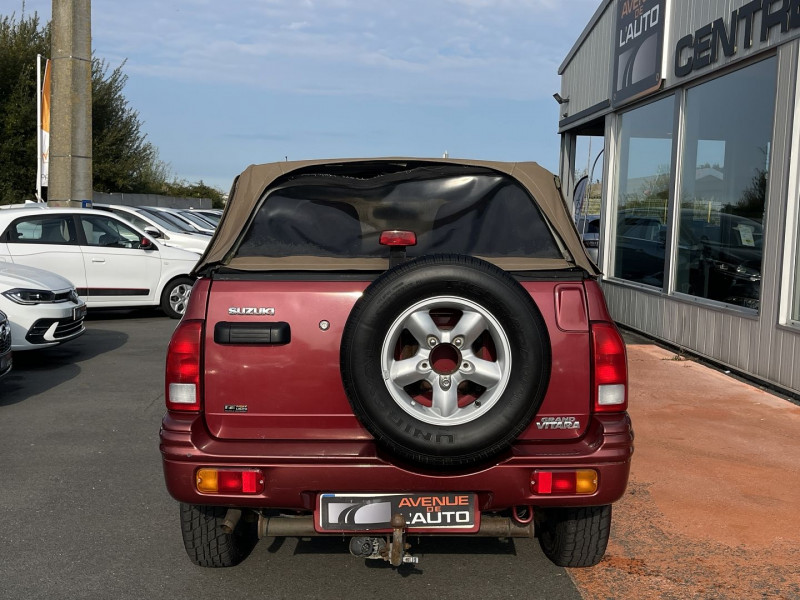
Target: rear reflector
[[583, 481], [609, 369], [398, 238], [216, 481], [183, 367]]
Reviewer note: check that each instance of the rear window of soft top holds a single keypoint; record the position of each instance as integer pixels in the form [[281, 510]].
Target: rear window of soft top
[[451, 209]]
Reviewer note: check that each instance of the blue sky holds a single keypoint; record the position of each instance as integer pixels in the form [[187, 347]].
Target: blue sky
[[220, 85]]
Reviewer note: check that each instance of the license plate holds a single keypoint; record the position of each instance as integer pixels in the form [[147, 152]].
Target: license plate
[[422, 512], [79, 312]]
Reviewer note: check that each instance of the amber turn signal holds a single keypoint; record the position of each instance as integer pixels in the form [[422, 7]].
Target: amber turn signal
[[583, 481], [219, 481]]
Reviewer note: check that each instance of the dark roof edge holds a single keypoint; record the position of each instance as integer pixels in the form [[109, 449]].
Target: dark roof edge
[[598, 110], [584, 34]]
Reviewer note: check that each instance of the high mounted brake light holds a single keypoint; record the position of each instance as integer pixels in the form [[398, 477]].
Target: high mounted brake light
[[398, 238], [183, 367], [609, 369]]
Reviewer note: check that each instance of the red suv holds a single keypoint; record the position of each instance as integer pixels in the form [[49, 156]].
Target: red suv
[[379, 348]]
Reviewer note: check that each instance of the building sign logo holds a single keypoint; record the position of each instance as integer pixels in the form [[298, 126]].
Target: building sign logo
[[701, 49], [638, 49]]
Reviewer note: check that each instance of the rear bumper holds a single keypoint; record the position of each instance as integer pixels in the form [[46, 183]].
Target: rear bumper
[[297, 471]]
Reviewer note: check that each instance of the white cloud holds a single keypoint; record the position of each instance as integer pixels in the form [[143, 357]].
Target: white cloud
[[346, 77], [441, 49]]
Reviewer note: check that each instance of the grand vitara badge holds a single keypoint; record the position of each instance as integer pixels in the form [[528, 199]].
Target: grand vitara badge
[[251, 310], [558, 423]]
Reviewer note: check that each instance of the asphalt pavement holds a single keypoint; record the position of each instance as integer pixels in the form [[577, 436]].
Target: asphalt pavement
[[710, 513], [86, 514]]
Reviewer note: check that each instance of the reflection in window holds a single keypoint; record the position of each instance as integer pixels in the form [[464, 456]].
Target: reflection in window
[[43, 230], [643, 192], [796, 302], [728, 133], [108, 232]]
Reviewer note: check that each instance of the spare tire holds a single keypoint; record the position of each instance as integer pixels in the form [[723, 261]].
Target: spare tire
[[445, 360]]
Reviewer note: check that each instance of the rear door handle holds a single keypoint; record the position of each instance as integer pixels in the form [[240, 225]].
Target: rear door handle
[[259, 333], [99, 260]]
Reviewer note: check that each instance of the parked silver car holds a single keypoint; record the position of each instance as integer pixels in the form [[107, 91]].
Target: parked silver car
[[43, 308]]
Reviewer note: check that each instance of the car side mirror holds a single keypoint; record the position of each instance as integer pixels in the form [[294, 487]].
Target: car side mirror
[[152, 231], [147, 244]]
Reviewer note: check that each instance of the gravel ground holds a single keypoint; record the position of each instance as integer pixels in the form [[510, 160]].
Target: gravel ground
[[711, 508]]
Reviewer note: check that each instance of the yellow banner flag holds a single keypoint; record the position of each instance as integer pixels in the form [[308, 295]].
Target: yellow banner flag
[[45, 125]]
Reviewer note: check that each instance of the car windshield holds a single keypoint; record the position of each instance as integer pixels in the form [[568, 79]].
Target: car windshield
[[457, 210], [166, 221], [212, 218], [198, 220]]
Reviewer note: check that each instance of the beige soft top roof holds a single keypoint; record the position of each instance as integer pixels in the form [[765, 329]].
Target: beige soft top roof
[[250, 186]]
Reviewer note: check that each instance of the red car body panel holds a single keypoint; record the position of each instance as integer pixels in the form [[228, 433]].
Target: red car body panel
[[285, 401], [300, 432]]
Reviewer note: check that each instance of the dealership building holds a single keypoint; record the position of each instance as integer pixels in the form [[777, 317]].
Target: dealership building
[[695, 105]]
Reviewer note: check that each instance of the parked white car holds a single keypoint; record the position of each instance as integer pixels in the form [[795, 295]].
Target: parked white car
[[43, 308], [198, 223], [110, 261], [212, 215], [164, 231]]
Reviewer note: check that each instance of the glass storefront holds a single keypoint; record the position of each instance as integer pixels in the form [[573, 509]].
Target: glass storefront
[[796, 298], [643, 182], [724, 175]]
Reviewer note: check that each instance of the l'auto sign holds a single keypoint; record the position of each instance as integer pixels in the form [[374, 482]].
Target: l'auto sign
[[638, 49]]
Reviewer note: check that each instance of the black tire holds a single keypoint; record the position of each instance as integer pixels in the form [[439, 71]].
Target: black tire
[[393, 414], [175, 296], [574, 537], [207, 544]]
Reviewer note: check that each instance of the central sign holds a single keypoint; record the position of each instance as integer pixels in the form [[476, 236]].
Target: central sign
[[638, 49]]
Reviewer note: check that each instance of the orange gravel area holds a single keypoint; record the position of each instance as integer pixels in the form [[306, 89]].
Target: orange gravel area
[[713, 505]]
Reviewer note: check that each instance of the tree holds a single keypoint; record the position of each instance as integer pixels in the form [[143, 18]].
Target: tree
[[194, 190], [20, 41], [122, 158]]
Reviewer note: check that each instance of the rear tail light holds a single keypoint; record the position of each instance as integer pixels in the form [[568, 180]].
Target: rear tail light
[[610, 369], [183, 367], [583, 481], [219, 481]]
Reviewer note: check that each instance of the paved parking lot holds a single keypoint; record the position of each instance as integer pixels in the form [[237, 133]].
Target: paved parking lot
[[86, 515], [710, 511]]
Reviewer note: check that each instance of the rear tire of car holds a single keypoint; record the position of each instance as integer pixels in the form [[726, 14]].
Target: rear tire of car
[[175, 297], [500, 364], [207, 544], [574, 536]]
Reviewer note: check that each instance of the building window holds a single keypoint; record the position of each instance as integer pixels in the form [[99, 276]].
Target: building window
[[796, 301], [643, 182], [727, 142]]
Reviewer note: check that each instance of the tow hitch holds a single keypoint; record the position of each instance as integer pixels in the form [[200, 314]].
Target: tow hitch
[[393, 550]]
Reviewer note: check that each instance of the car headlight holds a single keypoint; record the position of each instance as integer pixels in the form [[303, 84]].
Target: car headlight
[[24, 296], [74, 297]]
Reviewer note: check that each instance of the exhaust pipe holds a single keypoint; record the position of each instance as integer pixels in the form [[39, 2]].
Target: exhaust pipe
[[286, 526], [303, 526], [231, 520]]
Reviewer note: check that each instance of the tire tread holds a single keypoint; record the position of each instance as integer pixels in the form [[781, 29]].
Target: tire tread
[[575, 536], [207, 545]]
